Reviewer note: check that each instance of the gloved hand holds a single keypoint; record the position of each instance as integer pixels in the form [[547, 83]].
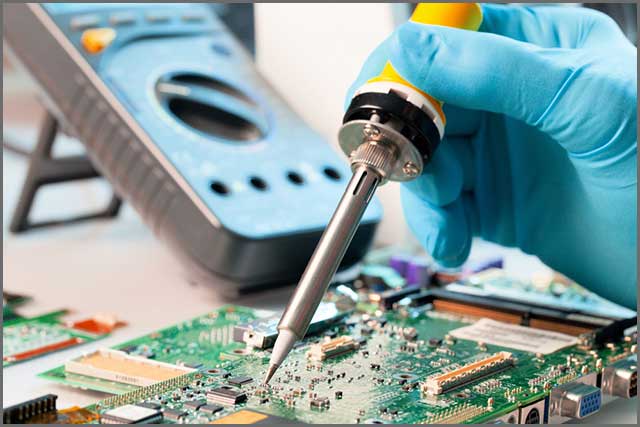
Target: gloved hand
[[541, 142]]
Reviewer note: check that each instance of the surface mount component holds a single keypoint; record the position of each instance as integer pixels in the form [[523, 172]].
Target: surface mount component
[[131, 414], [174, 114], [226, 395], [332, 348], [118, 366], [444, 381], [262, 333]]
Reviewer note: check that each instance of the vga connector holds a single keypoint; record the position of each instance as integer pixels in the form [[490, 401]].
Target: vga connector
[[575, 400]]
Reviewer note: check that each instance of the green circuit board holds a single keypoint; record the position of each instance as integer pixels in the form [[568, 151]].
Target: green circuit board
[[24, 338], [203, 342], [378, 381]]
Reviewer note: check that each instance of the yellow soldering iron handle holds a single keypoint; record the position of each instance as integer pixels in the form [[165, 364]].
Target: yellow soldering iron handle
[[466, 16]]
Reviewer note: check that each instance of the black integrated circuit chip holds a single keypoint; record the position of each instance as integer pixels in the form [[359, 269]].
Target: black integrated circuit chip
[[174, 415], [194, 404], [226, 395], [240, 381], [210, 409]]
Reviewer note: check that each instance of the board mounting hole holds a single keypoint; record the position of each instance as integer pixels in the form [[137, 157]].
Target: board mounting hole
[[219, 188], [331, 173], [258, 183], [295, 178], [512, 419]]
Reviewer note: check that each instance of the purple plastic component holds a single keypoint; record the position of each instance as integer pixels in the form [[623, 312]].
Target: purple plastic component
[[399, 263], [485, 264], [418, 272]]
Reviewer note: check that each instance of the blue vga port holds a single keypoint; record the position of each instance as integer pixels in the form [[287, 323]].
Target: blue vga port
[[575, 400], [591, 402]]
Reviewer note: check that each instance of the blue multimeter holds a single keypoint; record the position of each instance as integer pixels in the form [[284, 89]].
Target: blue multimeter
[[173, 112]]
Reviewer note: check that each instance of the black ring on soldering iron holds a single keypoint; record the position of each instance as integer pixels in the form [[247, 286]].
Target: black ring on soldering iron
[[418, 127]]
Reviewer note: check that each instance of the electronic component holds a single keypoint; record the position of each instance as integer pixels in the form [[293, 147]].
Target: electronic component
[[151, 405], [320, 403], [332, 348], [22, 412], [575, 400], [174, 415], [240, 381], [386, 299], [621, 378], [534, 413], [444, 381], [131, 414], [262, 333], [114, 365], [226, 395], [194, 404], [210, 409]]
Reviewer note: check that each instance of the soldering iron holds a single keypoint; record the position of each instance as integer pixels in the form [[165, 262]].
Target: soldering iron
[[390, 132]]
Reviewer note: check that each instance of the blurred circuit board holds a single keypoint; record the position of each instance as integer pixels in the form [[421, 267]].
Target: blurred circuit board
[[377, 372], [484, 275], [24, 338], [9, 303]]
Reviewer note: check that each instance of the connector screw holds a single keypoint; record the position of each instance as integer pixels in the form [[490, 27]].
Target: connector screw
[[370, 131], [410, 169]]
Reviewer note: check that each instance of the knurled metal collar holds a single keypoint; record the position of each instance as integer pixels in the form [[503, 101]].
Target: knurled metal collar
[[375, 155]]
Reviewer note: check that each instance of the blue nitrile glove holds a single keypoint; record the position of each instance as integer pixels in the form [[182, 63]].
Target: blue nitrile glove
[[541, 141]]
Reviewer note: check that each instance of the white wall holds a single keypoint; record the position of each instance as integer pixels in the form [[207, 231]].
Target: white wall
[[311, 53]]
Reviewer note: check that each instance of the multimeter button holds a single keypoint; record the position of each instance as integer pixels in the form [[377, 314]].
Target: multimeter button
[[157, 18], [95, 40], [122, 19], [83, 22], [193, 17]]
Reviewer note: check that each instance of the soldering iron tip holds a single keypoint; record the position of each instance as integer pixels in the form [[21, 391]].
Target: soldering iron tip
[[272, 370]]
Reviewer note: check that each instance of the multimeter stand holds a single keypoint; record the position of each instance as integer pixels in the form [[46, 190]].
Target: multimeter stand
[[45, 169]]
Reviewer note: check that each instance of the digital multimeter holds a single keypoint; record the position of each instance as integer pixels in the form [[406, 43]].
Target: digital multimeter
[[174, 114]]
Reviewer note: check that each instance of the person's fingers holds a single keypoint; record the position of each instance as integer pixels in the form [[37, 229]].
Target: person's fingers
[[550, 26], [461, 121], [444, 231], [463, 152], [442, 179], [479, 71]]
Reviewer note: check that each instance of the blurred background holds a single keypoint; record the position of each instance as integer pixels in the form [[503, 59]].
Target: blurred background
[[311, 71]]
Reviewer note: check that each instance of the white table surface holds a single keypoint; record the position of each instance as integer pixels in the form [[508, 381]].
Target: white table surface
[[118, 266]]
